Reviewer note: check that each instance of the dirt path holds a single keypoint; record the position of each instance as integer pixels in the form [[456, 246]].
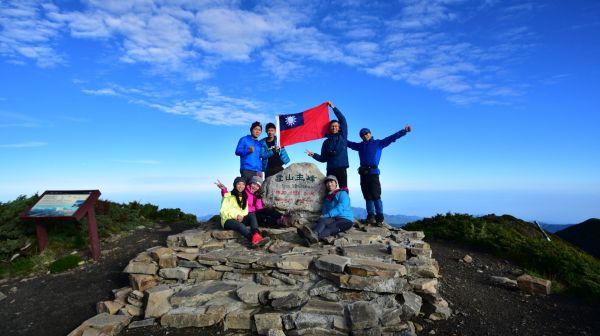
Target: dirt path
[[56, 304]]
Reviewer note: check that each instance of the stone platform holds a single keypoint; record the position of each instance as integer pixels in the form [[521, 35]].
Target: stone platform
[[367, 281]]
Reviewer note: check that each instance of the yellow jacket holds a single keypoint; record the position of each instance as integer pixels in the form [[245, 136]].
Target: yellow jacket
[[230, 208]]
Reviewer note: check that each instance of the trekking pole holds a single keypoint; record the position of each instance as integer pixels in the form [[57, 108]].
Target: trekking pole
[[544, 232]]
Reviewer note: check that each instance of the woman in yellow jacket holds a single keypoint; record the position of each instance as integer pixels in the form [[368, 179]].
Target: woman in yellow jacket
[[235, 216]]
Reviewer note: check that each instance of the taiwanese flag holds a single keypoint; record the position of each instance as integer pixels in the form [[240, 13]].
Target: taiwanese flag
[[304, 126]]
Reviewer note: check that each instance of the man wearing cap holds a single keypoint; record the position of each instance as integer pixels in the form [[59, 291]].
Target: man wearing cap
[[369, 152], [248, 149], [273, 157], [334, 150]]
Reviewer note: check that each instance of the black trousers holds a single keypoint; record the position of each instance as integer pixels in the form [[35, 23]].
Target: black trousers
[[340, 174], [370, 186], [267, 217], [249, 219]]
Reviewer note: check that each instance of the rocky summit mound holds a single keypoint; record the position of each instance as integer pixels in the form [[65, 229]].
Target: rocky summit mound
[[366, 281]]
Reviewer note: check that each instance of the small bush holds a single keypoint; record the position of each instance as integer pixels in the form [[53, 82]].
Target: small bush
[[64, 263]]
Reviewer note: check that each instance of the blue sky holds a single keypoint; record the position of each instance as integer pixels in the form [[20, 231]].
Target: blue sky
[[146, 100]]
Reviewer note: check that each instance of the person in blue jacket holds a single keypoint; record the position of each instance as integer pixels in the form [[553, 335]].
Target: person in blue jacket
[[248, 149], [369, 152], [334, 150], [273, 157], [336, 216]]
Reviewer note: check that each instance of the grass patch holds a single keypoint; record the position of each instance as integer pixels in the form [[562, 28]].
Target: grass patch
[[18, 267], [522, 243], [65, 263]]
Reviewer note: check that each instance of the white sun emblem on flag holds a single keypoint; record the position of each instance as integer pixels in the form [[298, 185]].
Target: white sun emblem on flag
[[290, 120]]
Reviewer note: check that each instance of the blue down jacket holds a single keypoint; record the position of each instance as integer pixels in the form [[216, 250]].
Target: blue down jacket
[[369, 152], [337, 204], [249, 161]]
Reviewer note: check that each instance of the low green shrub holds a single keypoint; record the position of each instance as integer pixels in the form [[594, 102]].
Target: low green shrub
[[65, 263]]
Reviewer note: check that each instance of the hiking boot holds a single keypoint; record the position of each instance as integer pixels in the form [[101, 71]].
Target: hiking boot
[[257, 240], [370, 219], [379, 220], [309, 235]]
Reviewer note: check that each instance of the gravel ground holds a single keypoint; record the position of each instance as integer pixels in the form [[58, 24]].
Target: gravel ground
[[57, 304]]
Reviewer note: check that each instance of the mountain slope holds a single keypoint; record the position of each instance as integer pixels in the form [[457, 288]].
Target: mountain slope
[[522, 243], [585, 235]]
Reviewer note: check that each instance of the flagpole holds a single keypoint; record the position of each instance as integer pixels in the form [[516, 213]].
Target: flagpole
[[277, 122]]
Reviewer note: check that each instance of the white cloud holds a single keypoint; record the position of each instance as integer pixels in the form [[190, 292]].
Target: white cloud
[[29, 144], [101, 92], [189, 40], [418, 14], [212, 107], [215, 109], [26, 32]]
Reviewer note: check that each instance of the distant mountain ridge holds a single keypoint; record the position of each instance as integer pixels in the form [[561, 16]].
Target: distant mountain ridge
[[553, 228], [361, 213], [585, 235], [395, 220]]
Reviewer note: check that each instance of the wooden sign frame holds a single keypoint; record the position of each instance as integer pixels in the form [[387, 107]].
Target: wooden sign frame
[[83, 208]]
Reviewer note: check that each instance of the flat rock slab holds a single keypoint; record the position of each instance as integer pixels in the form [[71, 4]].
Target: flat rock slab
[[178, 273], [321, 307], [295, 262], [307, 320], [378, 251], [157, 300], [362, 315], [104, 323], [142, 323], [332, 263], [183, 317], [201, 293], [250, 293], [240, 319], [368, 267], [363, 238], [266, 322], [245, 257], [373, 284], [290, 301], [141, 267], [424, 285]]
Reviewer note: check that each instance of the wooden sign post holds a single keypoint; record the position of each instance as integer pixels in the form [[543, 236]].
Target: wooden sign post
[[71, 205]]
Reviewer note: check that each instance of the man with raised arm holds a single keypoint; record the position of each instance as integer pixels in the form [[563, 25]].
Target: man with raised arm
[[369, 152], [334, 150]]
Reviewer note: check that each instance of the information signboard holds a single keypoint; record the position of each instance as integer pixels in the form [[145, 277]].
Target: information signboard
[[67, 205], [59, 204]]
